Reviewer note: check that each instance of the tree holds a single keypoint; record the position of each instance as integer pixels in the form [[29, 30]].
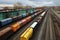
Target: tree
[[18, 5]]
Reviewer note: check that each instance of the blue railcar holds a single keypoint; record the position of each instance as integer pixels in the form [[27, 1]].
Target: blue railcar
[[5, 21], [23, 15]]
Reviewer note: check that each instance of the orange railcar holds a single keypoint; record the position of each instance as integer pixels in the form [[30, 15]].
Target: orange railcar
[[15, 26]]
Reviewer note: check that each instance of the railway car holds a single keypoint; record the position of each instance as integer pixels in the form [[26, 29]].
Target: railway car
[[43, 14], [15, 26], [27, 34], [4, 31], [29, 31], [35, 11], [17, 18], [5, 21], [23, 15], [2, 16], [31, 12]]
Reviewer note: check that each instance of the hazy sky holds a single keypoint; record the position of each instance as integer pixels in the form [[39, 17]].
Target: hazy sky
[[33, 2]]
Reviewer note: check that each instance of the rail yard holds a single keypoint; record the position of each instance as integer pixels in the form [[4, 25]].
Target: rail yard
[[33, 24]]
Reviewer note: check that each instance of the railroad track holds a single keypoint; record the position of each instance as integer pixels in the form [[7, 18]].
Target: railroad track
[[56, 26], [47, 29]]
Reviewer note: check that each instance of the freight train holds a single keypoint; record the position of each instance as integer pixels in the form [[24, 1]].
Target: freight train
[[9, 20], [29, 31], [14, 27]]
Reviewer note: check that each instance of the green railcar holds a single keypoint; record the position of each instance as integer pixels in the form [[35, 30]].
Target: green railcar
[[22, 12], [2, 15]]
